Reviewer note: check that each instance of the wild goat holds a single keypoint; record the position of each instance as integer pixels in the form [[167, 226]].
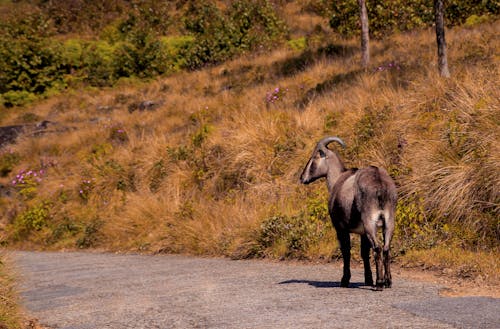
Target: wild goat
[[361, 201]]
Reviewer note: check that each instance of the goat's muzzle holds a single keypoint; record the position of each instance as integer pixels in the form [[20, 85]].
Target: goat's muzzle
[[304, 180]]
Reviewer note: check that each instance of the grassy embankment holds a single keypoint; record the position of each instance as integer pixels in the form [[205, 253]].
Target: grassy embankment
[[10, 316], [214, 169]]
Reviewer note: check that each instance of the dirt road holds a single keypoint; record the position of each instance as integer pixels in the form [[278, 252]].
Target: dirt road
[[89, 290]]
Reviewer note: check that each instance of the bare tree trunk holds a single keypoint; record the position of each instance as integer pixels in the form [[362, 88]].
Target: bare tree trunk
[[365, 37], [441, 42]]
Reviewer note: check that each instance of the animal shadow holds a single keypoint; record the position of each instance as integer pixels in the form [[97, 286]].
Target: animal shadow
[[328, 284]]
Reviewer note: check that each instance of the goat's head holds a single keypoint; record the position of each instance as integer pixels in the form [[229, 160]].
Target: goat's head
[[321, 161]]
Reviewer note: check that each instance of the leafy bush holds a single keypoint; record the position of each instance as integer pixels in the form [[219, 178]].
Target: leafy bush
[[34, 62], [289, 236], [17, 98], [90, 234], [72, 53], [30, 62], [175, 47], [98, 62], [33, 219], [475, 19], [293, 236], [299, 44], [221, 35], [66, 228], [414, 230]]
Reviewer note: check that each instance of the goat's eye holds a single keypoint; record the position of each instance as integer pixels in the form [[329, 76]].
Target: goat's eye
[[322, 154]]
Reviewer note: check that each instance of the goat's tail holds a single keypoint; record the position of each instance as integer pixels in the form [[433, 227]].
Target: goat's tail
[[381, 219]]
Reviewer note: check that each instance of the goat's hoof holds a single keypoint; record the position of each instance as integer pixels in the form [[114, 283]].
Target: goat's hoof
[[369, 282], [388, 283], [380, 286], [344, 283]]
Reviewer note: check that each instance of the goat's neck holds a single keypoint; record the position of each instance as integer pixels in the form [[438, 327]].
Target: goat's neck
[[336, 168]]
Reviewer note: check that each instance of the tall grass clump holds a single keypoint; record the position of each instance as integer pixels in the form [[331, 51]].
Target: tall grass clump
[[456, 174]]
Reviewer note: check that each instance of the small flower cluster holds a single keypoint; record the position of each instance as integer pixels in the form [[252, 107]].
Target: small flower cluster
[[389, 66], [118, 134], [85, 188], [28, 177], [274, 96], [7, 150]]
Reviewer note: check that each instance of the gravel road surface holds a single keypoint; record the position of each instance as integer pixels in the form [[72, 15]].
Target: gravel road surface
[[91, 290]]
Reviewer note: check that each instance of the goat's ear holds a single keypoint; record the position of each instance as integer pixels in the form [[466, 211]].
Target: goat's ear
[[322, 154]]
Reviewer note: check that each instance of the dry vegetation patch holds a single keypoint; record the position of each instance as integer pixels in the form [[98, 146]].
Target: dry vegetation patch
[[9, 310]]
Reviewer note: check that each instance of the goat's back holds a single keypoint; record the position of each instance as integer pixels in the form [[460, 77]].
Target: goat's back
[[375, 189]]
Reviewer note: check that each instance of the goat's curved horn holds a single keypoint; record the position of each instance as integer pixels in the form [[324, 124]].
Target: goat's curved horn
[[327, 140]]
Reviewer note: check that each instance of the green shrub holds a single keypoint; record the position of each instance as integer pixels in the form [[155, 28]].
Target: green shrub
[[317, 207], [98, 62], [298, 44], [414, 230], [30, 61], [473, 20], [139, 51], [175, 47], [293, 236], [221, 35], [66, 228], [17, 98], [72, 53], [289, 236], [33, 219], [90, 234]]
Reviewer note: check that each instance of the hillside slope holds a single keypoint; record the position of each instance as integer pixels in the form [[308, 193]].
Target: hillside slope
[[207, 162]]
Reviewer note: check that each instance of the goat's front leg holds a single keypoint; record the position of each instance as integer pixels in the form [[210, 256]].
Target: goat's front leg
[[345, 248], [365, 255]]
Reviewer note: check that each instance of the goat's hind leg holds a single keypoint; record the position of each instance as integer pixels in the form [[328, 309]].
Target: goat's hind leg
[[388, 231], [365, 255], [371, 234]]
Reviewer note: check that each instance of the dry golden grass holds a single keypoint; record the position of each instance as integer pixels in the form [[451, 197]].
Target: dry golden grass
[[201, 172], [481, 266], [10, 316]]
